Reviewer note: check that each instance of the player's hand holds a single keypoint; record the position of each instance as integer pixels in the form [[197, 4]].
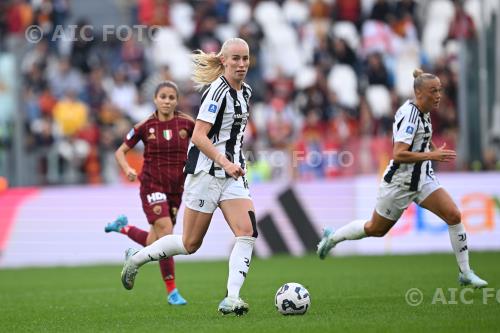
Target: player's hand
[[234, 170], [131, 174], [444, 155]]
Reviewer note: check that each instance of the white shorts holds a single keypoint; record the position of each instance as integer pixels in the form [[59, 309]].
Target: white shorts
[[203, 192], [393, 199]]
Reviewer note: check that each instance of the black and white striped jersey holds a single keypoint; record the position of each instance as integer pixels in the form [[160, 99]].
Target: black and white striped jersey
[[412, 127], [227, 109]]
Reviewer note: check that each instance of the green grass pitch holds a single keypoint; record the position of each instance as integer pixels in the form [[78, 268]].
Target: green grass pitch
[[349, 294]]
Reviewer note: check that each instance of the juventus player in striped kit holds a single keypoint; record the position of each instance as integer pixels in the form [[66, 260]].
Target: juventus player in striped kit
[[409, 177], [215, 172], [165, 135]]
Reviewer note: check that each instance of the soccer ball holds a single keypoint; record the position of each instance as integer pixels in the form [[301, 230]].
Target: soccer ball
[[292, 299]]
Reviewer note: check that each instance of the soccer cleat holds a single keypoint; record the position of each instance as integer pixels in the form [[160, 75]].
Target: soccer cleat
[[129, 270], [233, 305], [175, 298], [326, 244], [117, 224], [470, 278]]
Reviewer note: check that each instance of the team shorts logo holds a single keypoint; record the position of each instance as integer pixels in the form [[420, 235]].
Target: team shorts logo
[[157, 209], [212, 108], [183, 133], [409, 130], [167, 134], [156, 197]]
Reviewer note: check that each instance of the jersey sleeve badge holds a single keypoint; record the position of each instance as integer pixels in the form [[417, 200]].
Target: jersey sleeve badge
[[212, 108]]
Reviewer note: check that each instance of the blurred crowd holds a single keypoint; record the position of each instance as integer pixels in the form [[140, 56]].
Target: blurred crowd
[[327, 77]]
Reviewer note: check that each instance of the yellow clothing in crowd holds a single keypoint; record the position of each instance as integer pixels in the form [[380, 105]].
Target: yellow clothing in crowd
[[70, 115]]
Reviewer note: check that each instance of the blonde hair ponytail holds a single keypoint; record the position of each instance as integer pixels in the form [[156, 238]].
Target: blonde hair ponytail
[[208, 66], [417, 72]]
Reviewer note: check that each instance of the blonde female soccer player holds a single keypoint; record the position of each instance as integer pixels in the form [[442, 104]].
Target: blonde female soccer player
[[409, 177], [215, 172]]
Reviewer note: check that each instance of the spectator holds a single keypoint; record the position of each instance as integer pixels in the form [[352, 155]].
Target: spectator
[[461, 26]]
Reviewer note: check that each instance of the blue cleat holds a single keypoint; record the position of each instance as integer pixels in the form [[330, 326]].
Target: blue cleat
[[233, 305], [117, 224], [326, 243], [175, 298]]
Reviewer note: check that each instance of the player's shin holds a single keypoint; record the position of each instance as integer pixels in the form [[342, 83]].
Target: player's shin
[[239, 263], [167, 246], [351, 231], [458, 239]]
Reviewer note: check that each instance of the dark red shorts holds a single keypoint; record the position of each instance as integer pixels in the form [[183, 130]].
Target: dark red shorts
[[158, 204]]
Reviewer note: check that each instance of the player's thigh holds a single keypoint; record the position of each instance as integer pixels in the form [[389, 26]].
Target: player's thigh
[[239, 216], [379, 225], [440, 203], [195, 226]]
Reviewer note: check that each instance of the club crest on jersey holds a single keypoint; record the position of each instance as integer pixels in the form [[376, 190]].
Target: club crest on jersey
[[183, 133], [409, 130], [167, 134], [212, 108]]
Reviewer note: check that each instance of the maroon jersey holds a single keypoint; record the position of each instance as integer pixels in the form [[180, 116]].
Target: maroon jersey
[[165, 151]]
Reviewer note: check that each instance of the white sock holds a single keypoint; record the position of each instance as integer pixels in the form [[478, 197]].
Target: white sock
[[167, 246], [351, 231], [458, 239], [239, 263]]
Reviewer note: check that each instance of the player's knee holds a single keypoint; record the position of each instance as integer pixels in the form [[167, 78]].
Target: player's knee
[[379, 233], [373, 230], [163, 227], [163, 231], [192, 246], [454, 217]]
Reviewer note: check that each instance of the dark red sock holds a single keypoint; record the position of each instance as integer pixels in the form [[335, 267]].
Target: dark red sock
[[168, 273], [137, 235]]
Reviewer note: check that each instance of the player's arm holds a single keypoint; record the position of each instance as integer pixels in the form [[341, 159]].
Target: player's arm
[[122, 162], [401, 154], [200, 139], [132, 138]]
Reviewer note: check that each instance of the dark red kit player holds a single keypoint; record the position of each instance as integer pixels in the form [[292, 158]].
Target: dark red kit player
[[165, 135]]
